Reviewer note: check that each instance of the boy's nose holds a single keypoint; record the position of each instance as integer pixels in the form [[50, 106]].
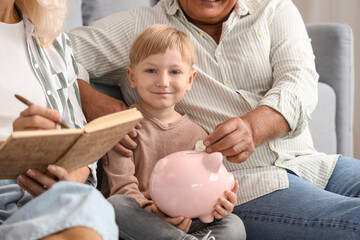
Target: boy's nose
[[162, 81]]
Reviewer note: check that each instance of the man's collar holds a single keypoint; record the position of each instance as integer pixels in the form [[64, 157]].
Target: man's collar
[[171, 6]]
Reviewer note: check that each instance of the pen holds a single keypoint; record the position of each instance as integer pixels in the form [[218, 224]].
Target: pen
[[28, 103]]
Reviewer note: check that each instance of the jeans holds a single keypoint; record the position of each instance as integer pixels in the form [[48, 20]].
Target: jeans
[[304, 211], [63, 206], [136, 223]]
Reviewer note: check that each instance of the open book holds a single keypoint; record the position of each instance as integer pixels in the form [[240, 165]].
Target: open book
[[69, 148]]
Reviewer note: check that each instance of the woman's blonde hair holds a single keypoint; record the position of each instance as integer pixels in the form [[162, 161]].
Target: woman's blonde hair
[[157, 39], [47, 16]]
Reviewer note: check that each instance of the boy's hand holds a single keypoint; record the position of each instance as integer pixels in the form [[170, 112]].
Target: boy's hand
[[226, 206], [181, 223]]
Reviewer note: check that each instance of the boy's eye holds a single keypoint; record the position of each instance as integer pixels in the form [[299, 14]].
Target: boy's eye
[[175, 72], [150, 71]]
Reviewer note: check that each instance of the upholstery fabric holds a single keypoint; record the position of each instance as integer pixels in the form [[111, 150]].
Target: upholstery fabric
[[334, 50]]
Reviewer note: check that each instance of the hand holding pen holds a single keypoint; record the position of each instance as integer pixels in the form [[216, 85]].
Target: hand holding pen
[[37, 117]]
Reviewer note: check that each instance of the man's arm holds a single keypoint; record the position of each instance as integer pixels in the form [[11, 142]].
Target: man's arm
[[96, 104], [238, 137]]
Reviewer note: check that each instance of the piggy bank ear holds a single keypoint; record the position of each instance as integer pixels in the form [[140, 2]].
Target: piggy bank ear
[[213, 161]]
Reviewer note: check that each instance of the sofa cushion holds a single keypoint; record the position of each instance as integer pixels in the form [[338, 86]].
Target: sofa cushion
[[74, 18], [95, 9], [322, 124]]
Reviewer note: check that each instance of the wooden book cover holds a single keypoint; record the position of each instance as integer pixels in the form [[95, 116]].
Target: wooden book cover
[[69, 148]]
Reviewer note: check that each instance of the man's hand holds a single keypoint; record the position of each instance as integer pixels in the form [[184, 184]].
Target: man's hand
[[233, 139], [181, 223], [37, 117], [227, 205], [237, 137]]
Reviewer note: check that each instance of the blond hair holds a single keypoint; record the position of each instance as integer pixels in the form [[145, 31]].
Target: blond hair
[[47, 16], [157, 39]]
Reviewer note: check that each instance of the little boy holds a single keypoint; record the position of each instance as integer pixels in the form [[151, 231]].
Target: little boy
[[161, 69]]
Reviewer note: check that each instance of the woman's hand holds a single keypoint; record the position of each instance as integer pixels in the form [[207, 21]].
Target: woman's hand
[[181, 223], [35, 182], [226, 206], [37, 117]]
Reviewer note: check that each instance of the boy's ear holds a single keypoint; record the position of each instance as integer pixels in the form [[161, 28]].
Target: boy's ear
[[191, 79], [131, 76]]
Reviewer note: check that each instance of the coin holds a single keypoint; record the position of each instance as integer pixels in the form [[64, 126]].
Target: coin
[[199, 145]]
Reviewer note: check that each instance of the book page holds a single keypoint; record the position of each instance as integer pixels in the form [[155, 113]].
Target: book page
[[112, 119]]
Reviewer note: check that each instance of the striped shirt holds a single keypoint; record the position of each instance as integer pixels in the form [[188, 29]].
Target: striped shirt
[[264, 57], [56, 70]]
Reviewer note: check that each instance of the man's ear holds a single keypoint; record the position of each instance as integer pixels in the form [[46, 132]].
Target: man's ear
[[130, 74], [191, 79]]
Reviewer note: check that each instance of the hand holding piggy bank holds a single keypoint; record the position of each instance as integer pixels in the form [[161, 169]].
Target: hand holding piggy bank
[[188, 183]]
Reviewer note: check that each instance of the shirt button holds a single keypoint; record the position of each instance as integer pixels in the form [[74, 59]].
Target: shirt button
[[36, 65], [260, 33], [219, 53], [271, 146], [305, 53], [228, 82], [202, 34], [48, 92]]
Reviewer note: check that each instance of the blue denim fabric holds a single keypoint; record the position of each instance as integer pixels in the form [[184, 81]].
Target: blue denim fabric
[[304, 211], [62, 206], [136, 223]]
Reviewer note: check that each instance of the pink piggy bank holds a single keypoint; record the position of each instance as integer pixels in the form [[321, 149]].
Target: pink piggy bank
[[188, 183]]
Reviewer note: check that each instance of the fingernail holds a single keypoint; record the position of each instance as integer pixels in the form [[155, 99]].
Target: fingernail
[[30, 173], [21, 178], [206, 143], [208, 150], [51, 168]]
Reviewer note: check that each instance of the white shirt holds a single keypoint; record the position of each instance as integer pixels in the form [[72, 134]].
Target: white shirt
[[264, 57], [17, 77]]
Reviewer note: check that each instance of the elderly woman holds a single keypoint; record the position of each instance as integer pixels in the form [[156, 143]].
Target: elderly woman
[[37, 62]]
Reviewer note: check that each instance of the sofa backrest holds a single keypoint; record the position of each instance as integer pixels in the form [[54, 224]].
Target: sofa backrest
[[332, 121]]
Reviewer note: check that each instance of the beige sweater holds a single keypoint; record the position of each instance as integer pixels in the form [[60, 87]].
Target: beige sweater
[[155, 140]]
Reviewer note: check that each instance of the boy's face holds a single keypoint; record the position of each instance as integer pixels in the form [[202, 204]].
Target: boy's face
[[161, 80]]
